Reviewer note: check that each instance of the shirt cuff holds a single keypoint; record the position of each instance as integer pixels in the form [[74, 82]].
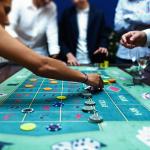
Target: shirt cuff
[[147, 32], [54, 50]]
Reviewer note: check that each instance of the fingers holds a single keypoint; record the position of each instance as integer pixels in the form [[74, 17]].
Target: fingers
[[127, 39], [73, 63], [96, 52], [123, 39], [72, 60], [127, 45], [101, 50], [78, 64], [134, 37], [96, 81]]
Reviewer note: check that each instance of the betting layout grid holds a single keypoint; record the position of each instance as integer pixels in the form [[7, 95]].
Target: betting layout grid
[[34, 87], [41, 84]]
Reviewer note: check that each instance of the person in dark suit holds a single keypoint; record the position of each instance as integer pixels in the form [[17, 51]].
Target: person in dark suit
[[83, 37]]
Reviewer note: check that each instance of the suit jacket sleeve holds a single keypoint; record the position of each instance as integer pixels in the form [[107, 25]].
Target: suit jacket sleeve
[[103, 33], [63, 34]]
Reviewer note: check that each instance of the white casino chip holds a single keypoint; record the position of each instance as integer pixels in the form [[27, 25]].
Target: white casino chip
[[86, 143], [62, 146]]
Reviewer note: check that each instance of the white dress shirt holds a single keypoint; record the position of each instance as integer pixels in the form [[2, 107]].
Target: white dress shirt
[[147, 31], [82, 50], [129, 14], [35, 27]]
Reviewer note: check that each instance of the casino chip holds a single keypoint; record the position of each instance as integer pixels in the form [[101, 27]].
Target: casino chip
[[27, 110], [33, 80], [95, 119], [54, 127], [112, 80], [79, 144], [86, 144], [86, 95], [58, 104], [87, 109], [29, 86], [52, 79], [53, 82], [2, 94], [89, 103], [92, 90], [106, 81], [62, 146], [61, 97], [47, 89], [27, 126]]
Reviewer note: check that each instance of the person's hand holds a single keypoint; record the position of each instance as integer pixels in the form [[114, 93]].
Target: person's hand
[[101, 50], [95, 80], [133, 39], [71, 60]]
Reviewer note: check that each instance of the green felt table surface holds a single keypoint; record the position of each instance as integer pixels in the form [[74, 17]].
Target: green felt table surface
[[125, 113]]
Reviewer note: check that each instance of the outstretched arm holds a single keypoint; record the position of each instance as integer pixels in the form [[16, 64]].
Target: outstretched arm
[[44, 66]]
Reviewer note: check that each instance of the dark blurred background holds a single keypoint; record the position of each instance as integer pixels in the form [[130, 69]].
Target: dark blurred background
[[108, 6]]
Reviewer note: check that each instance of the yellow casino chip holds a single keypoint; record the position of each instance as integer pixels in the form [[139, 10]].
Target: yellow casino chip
[[61, 97], [106, 81], [27, 126], [53, 82], [29, 86], [106, 63], [33, 80], [47, 89]]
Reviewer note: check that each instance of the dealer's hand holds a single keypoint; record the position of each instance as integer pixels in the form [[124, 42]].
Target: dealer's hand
[[101, 50], [95, 81], [133, 39], [71, 60]]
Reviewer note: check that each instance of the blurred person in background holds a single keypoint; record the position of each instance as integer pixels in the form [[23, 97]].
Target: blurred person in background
[[83, 37], [131, 15], [34, 23]]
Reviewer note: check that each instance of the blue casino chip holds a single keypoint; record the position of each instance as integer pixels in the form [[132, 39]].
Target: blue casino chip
[[58, 104], [54, 127]]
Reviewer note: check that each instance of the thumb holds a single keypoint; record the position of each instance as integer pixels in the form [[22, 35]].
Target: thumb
[[96, 52]]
